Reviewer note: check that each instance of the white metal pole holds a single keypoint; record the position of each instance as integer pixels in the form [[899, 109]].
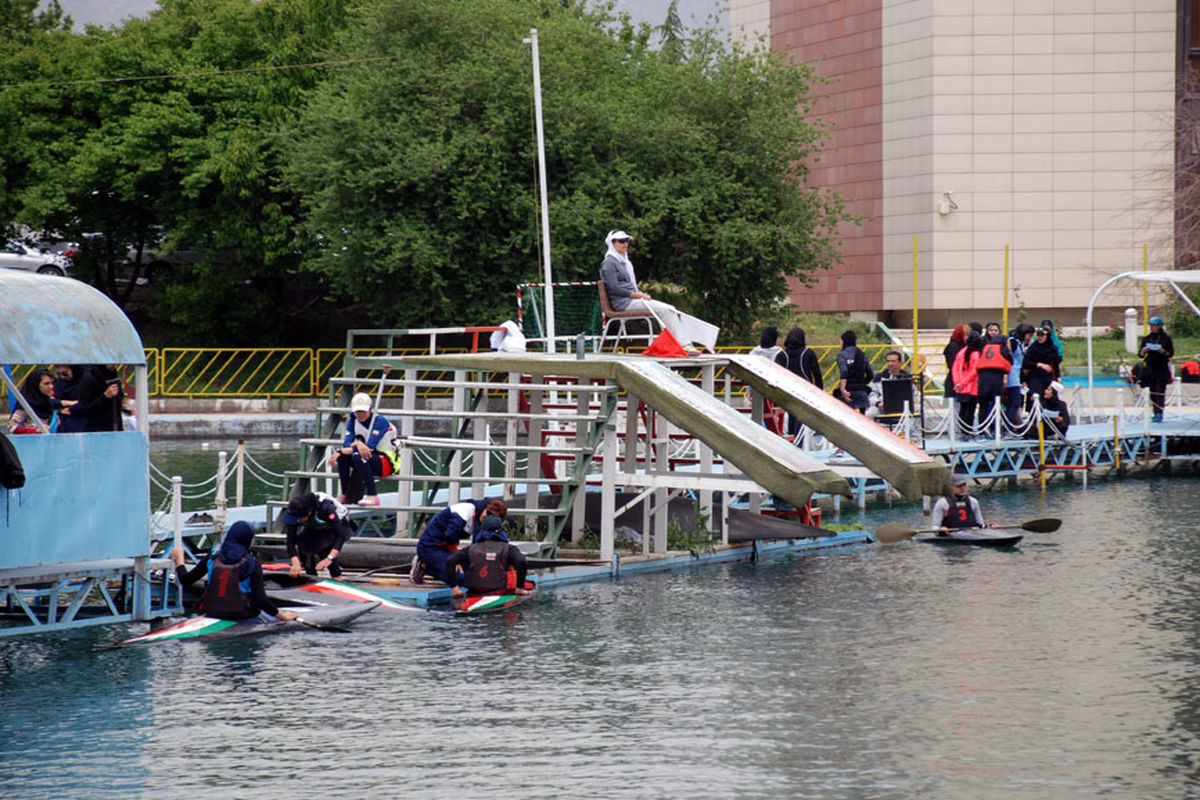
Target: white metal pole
[[541, 145]]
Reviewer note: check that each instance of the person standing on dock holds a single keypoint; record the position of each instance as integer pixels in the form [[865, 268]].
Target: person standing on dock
[[854, 373], [995, 363], [960, 511], [965, 374], [1018, 343], [317, 527], [768, 344], [234, 589], [368, 452], [1040, 367], [799, 359], [448, 527], [490, 564], [1156, 351]]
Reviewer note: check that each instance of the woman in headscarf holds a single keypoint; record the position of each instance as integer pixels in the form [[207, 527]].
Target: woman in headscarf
[[616, 271], [768, 344], [1018, 343], [1040, 365], [965, 374], [234, 588], [958, 340], [38, 391], [798, 358]]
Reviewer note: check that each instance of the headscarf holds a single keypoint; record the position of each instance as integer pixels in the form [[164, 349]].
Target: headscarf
[[623, 258], [39, 402], [849, 339], [769, 338], [795, 340], [960, 334], [236, 546]]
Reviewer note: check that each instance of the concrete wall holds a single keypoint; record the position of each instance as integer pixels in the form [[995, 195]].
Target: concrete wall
[[1050, 120]]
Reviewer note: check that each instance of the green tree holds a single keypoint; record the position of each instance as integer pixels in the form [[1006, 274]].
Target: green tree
[[20, 19], [416, 167], [168, 128]]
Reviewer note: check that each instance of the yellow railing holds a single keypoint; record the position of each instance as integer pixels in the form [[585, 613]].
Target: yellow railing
[[306, 372]]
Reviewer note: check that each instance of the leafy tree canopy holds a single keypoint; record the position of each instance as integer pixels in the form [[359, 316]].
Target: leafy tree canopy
[[384, 150], [417, 166]]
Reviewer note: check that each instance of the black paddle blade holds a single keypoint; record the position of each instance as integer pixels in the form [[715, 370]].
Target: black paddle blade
[[894, 532], [1045, 525]]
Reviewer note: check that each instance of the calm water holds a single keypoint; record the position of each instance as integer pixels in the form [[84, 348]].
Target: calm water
[[186, 458], [1065, 669]]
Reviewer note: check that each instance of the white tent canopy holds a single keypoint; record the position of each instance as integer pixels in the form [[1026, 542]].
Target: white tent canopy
[[1172, 277]]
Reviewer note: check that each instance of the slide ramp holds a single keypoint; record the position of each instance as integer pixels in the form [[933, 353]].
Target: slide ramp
[[913, 472], [769, 460]]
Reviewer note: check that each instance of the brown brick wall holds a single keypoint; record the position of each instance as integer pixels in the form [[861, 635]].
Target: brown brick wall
[[842, 39]]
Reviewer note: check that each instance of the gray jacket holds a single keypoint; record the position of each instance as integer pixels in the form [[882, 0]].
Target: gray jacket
[[618, 283]]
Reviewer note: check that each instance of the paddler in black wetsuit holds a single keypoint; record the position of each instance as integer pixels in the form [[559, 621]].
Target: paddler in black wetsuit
[[235, 580], [491, 564], [960, 511]]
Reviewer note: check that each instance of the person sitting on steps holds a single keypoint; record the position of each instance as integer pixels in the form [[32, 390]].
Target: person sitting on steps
[[368, 452]]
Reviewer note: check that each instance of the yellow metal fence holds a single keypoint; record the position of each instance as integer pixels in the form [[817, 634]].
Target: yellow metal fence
[[306, 372]]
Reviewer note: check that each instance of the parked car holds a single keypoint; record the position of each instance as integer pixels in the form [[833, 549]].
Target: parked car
[[14, 255]]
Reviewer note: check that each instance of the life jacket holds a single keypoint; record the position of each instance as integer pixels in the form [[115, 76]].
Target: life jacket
[[960, 515], [1189, 372], [992, 357], [858, 372], [385, 447], [489, 568], [228, 596]]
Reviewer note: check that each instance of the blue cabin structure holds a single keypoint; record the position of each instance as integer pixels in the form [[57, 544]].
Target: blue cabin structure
[[75, 539]]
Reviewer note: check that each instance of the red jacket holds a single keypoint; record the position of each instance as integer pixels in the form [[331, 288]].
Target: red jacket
[[965, 372]]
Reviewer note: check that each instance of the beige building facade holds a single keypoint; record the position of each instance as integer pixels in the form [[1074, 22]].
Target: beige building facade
[[1043, 125]]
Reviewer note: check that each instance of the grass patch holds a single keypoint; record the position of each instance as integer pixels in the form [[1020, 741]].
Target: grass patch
[[1107, 354]]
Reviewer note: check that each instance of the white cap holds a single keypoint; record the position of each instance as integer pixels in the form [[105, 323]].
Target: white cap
[[618, 234], [1056, 386], [360, 402]]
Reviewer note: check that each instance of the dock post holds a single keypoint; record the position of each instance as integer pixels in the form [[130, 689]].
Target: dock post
[[456, 430], [481, 459], [510, 436], [662, 497], [708, 383], [533, 469], [578, 469], [608, 497], [222, 500]]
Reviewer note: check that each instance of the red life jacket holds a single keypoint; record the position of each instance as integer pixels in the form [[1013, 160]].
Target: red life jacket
[[993, 358], [489, 569], [227, 595], [960, 515]]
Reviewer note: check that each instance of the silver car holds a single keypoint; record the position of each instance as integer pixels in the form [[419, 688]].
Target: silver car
[[14, 255]]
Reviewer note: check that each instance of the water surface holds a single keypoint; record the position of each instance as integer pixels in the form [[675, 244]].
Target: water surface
[[1062, 669]]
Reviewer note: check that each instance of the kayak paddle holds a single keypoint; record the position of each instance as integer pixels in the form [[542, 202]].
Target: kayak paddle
[[898, 532]]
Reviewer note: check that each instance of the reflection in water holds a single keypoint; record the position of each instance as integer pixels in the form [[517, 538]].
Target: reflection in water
[[1064, 668]]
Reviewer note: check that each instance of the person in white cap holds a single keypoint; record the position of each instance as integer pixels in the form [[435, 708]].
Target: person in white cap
[[617, 273], [368, 452], [1156, 351]]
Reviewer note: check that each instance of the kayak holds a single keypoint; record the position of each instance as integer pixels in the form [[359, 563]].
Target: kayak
[[980, 537], [493, 601], [210, 629], [326, 593]]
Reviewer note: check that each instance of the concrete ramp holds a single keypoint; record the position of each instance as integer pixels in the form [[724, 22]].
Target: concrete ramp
[[767, 459], [906, 467]]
